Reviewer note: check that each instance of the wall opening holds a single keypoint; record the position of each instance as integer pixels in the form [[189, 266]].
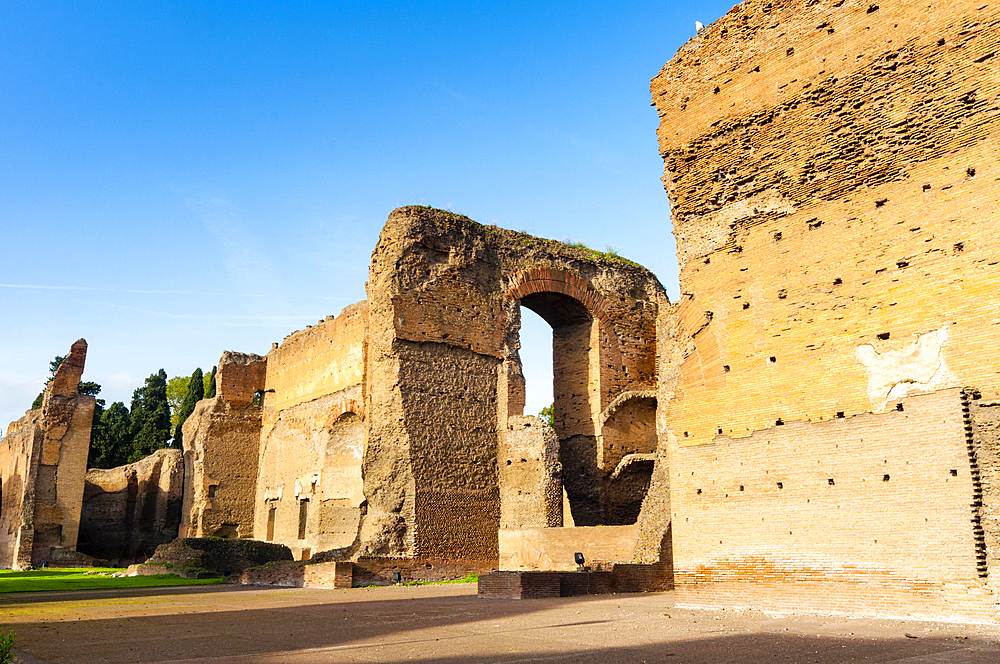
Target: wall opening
[[271, 512], [576, 398], [303, 517]]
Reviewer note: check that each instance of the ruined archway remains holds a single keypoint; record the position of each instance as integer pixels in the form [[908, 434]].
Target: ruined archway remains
[[445, 393]]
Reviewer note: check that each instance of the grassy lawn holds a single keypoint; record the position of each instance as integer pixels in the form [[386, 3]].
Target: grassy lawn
[[54, 578]]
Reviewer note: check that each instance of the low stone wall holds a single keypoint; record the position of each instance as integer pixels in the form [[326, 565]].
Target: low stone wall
[[301, 575], [379, 571], [554, 548], [621, 578]]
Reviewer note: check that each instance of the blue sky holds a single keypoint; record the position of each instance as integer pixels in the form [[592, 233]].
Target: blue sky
[[179, 179]]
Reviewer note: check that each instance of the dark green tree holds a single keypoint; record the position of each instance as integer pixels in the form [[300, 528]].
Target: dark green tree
[[210, 390], [150, 425], [195, 393], [110, 438]]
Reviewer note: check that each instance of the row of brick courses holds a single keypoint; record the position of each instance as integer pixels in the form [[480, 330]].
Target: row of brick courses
[[551, 280], [864, 502], [322, 359]]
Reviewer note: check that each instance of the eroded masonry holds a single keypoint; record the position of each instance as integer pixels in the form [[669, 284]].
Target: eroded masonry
[[832, 174], [814, 425]]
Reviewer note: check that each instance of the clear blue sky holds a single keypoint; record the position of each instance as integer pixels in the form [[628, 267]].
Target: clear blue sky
[[179, 179]]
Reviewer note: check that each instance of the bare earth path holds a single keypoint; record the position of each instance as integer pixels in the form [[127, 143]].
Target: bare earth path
[[226, 624]]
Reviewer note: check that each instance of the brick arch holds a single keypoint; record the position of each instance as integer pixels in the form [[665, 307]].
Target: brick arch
[[554, 280], [342, 407]]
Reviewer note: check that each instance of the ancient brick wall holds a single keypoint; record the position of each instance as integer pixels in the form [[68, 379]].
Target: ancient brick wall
[[310, 491], [319, 360], [831, 176], [43, 461], [443, 374], [221, 441], [19, 453], [130, 510], [530, 475]]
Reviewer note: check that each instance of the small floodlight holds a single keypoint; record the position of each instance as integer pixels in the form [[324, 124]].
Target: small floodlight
[[578, 557]]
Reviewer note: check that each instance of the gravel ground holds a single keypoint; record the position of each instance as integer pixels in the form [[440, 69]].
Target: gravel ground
[[229, 624]]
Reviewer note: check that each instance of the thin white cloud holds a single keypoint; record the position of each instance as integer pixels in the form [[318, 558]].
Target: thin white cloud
[[127, 290]]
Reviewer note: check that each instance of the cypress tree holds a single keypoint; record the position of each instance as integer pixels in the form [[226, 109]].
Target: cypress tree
[[210, 390], [195, 393], [110, 438], [150, 426]]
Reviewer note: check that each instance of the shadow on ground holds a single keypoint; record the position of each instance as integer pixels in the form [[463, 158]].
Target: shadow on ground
[[350, 627]]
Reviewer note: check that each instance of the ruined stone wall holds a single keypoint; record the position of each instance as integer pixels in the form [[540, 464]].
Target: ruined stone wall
[[443, 374], [19, 453], [530, 475], [320, 360], [831, 176], [310, 492], [43, 464], [221, 440], [130, 510]]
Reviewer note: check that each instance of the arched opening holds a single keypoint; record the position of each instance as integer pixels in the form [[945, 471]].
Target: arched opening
[[576, 392], [536, 362]]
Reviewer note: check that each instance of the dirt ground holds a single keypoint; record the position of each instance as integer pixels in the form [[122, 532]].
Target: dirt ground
[[449, 624]]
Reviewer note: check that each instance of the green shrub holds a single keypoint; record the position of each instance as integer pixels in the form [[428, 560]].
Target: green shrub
[[6, 647]]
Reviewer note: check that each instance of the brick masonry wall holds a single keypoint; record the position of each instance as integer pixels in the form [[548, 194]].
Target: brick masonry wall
[[554, 548], [19, 452], [130, 510], [443, 374], [322, 359], [832, 183], [859, 514], [312, 451]]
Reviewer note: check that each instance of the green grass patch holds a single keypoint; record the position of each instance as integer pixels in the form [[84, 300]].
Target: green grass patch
[[472, 578], [56, 578]]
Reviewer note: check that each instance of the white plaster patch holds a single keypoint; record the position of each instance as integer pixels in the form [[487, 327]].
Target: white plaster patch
[[918, 367]]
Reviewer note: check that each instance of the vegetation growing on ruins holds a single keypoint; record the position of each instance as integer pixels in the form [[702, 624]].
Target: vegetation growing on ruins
[[53, 578]]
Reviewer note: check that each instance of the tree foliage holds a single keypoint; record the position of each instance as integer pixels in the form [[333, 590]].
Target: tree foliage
[[150, 425], [177, 387], [110, 437], [210, 386], [548, 415], [195, 393]]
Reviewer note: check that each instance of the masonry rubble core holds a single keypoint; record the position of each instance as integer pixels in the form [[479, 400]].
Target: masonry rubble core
[[815, 424]]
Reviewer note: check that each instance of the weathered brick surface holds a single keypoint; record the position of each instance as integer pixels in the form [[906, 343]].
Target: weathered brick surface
[[43, 460], [831, 172], [130, 510], [221, 440], [309, 491], [443, 374]]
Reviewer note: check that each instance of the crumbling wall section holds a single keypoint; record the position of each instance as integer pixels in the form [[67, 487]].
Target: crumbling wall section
[[310, 491], [530, 475], [130, 510], [43, 465], [832, 189], [444, 376], [221, 440], [21, 447]]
